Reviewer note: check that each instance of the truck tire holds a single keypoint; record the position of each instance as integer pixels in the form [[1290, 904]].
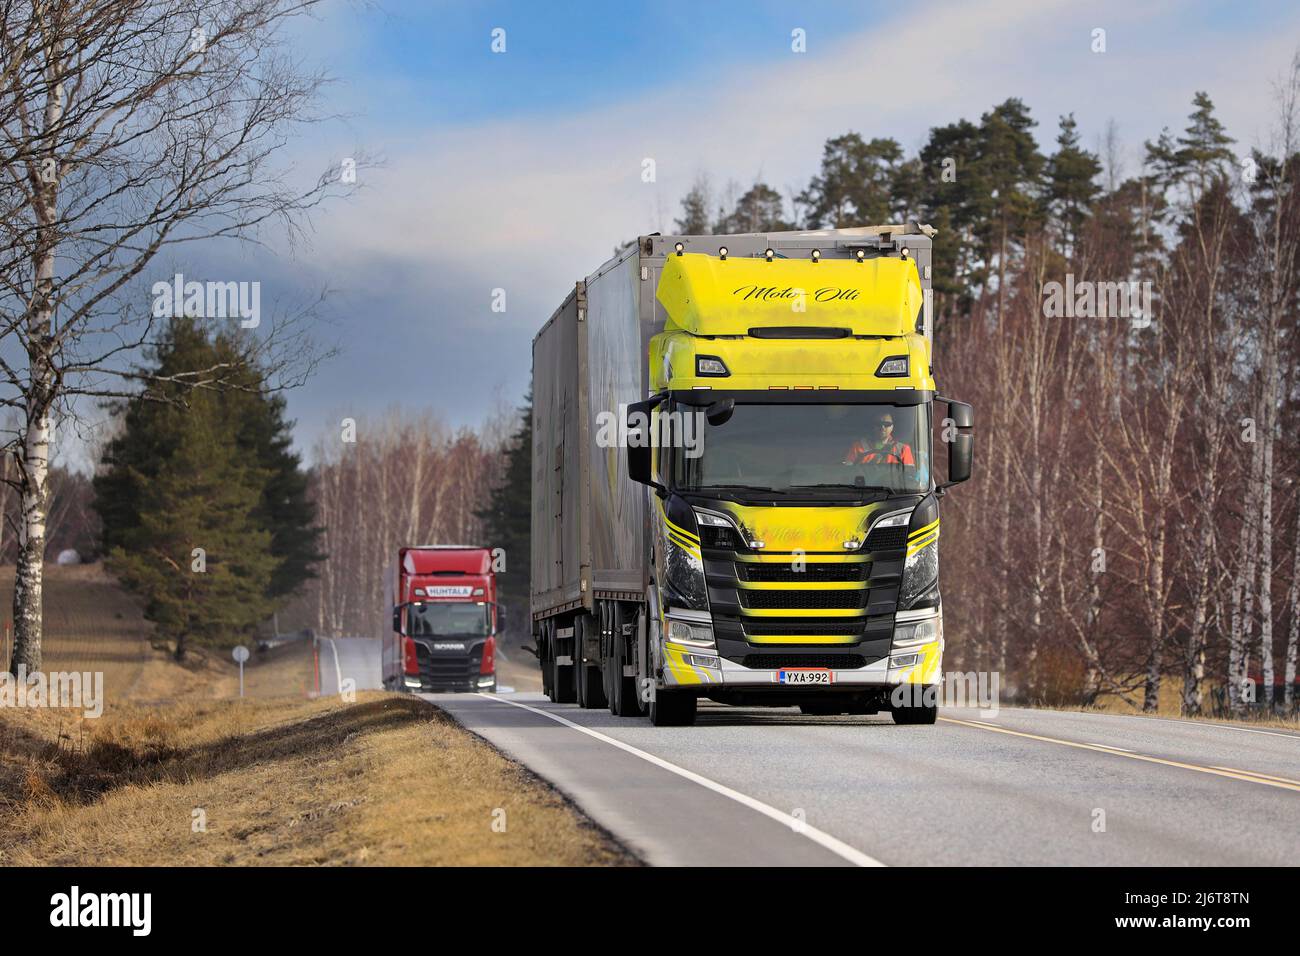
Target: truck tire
[[562, 689], [915, 714], [670, 708], [624, 703], [591, 694]]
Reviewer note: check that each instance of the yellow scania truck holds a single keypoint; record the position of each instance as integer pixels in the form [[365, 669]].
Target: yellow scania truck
[[734, 487]]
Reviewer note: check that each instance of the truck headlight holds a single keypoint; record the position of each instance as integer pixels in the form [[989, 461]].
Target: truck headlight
[[684, 574], [920, 574], [918, 632], [685, 632]]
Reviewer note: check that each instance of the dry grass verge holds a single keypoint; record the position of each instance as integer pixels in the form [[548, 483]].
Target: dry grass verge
[[387, 780]]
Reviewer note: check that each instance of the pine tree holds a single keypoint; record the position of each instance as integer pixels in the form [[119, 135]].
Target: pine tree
[[158, 422], [507, 519], [199, 556], [151, 431], [760, 210], [853, 186], [1072, 180], [695, 209]]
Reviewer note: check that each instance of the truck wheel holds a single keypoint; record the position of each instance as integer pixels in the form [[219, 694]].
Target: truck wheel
[[672, 709], [591, 694], [917, 714], [624, 702], [562, 683], [544, 654]]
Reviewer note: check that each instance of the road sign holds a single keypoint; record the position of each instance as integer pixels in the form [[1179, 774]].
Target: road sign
[[240, 654]]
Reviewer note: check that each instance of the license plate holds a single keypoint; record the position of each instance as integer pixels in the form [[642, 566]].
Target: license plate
[[805, 675]]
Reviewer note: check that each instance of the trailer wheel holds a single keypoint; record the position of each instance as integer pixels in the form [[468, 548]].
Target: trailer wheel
[[562, 687], [591, 695], [544, 659], [669, 708]]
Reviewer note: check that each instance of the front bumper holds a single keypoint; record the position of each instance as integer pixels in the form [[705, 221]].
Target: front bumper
[[700, 667]]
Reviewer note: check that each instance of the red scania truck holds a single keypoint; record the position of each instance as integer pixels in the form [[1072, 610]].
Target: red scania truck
[[445, 621]]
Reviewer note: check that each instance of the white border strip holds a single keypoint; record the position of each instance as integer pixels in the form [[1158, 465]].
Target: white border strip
[[822, 839]]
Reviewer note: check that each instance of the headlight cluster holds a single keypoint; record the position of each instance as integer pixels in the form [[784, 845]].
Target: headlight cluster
[[920, 575], [682, 632], [918, 632]]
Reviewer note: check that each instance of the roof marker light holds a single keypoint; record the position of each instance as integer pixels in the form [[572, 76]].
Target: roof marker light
[[862, 255], [904, 252], [680, 248], [816, 255], [722, 253], [768, 254]]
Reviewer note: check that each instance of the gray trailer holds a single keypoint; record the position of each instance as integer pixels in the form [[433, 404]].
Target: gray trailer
[[592, 535]]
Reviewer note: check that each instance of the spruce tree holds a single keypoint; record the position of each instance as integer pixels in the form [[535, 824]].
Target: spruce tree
[[157, 423], [507, 519], [198, 555]]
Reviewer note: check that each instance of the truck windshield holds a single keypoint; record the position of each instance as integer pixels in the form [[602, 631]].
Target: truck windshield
[[438, 620], [784, 448]]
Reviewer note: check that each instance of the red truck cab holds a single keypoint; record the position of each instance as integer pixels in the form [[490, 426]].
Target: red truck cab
[[445, 621]]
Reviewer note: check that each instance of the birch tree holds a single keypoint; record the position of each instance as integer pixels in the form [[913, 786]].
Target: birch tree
[[129, 129]]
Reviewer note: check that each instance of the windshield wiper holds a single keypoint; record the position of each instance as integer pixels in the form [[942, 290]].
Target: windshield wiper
[[748, 489], [848, 487]]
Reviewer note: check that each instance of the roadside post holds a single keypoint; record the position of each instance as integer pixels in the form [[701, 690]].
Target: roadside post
[[240, 654]]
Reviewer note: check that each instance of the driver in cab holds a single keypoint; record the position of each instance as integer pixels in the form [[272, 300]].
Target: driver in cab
[[878, 446]]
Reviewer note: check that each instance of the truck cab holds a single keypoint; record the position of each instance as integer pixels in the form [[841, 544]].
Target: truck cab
[[794, 502], [445, 621]]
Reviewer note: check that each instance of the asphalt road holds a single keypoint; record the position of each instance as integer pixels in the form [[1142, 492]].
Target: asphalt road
[[768, 787], [771, 787], [349, 658]]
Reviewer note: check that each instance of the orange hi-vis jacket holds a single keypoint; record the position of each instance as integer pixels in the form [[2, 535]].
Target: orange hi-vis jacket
[[896, 453]]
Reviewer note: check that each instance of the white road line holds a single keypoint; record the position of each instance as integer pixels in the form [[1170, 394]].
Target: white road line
[[338, 673], [1247, 775], [825, 840], [1171, 720]]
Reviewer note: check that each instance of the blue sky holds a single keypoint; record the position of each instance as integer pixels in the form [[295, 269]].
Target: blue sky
[[522, 170]]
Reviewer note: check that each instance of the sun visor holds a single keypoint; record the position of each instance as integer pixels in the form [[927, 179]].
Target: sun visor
[[706, 295]]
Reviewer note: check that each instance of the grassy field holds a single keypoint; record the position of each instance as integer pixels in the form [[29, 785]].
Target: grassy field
[[386, 780], [179, 771]]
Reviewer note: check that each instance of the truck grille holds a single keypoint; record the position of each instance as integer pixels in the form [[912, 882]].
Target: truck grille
[[803, 627], [803, 600], [773, 661], [887, 539], [856, 571], [448, 670]]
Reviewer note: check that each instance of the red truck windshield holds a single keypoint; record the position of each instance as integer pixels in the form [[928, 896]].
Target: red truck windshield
[[444, 620]]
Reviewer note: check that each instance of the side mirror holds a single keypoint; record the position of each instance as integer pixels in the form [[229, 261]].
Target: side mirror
[[719, 413], [961, 454], [639, 445], [961, 449], [501, 617], [397, 619]]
